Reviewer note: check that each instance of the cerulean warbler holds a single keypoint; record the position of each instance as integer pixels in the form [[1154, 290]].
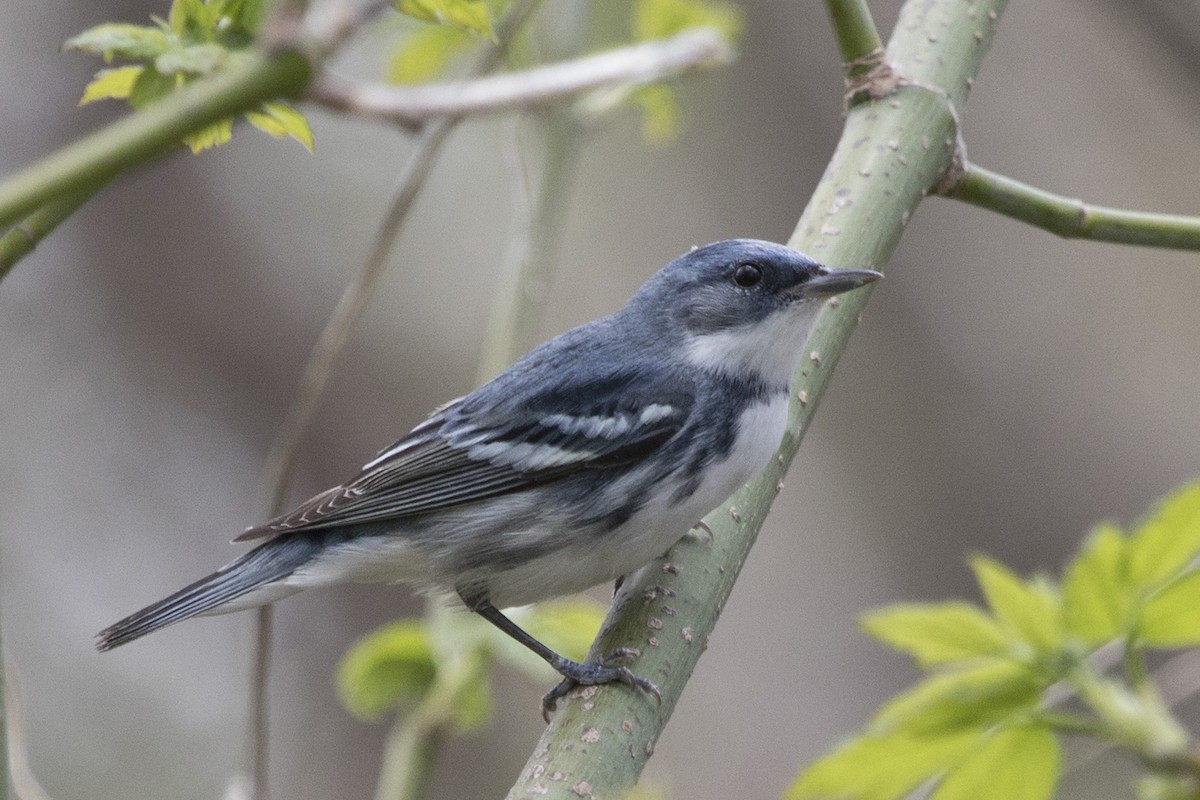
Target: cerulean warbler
[[580, 463]]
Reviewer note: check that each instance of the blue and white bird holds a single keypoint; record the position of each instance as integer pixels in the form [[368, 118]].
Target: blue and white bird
[[580, 463]]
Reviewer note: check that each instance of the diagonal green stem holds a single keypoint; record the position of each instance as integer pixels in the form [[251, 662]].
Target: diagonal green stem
[[1072, 218], [141, 136], [23, 237]]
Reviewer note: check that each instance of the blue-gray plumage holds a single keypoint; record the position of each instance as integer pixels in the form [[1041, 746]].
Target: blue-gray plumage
[[578, 464]]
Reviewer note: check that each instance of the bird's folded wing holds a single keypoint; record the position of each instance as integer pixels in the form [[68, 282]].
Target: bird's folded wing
[[465, 453]]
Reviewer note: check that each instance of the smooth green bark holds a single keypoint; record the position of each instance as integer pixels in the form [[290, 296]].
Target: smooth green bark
[[891, 152]]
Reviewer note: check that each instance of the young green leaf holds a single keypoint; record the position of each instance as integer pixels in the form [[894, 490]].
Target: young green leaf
[[937, 633], [213, 135], [1166, 541], [279, 120], [120, 40], [116, 83], [883, 768], [467, 15], [1031, 610], [1096, 595], [194, 59], [425, 55], [659, 19], [1171, 617], [979, 695], [567, 626], [1021, 763], [151, 86], [193, 19], [392, 666]]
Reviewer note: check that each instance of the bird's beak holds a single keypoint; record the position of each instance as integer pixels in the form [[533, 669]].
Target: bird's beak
[[828, 282]]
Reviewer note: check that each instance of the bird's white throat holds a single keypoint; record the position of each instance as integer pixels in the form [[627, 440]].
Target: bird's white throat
[[770, 349]]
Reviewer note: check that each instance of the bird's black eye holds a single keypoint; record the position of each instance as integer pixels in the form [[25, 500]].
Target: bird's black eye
[[747, 275]]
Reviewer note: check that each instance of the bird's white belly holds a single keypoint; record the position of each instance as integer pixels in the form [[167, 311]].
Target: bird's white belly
[[653, 529]]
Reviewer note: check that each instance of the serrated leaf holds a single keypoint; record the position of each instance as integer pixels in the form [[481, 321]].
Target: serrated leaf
[[937, 633], [194, 59], [119, 39], [1096, 588], [466, 15], [426, 54], [660, 112], [115, 83], [659, 19], [151, 86], [1166, 541], [280, 120], [883, 768], [1171, 617], [1021, 763], [390, 667], [213, 135], [1031, 610], [983, 694]]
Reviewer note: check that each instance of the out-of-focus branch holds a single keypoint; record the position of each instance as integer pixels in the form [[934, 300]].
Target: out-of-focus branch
[[410, 106], [281, 460], [520, 297], [23, 237], [1072, 218]]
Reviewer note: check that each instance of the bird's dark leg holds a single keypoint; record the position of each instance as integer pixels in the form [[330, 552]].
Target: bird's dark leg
[[574, 673]]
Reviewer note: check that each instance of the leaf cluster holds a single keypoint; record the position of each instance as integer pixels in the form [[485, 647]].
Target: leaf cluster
[[197, 39], [984, 722]]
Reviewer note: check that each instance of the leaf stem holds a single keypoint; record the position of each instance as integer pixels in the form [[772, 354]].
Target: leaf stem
[[281, 459], [1073, 218]]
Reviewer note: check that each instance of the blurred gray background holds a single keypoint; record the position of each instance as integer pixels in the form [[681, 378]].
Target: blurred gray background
[[1005, 390]]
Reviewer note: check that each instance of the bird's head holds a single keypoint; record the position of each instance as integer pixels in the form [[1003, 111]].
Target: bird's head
[[744, 304]]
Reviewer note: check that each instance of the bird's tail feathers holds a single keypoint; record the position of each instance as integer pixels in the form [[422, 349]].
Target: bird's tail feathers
[[221, 591]]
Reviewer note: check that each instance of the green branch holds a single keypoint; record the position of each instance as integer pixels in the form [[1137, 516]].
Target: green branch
[[857, 37], [23, 237], [139, 137], [890, 153], [1072, 218]]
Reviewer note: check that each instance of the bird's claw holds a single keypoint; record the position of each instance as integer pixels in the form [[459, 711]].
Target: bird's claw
[[581, 674]]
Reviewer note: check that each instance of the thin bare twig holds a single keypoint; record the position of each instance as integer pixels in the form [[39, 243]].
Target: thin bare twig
[[411, 106]]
